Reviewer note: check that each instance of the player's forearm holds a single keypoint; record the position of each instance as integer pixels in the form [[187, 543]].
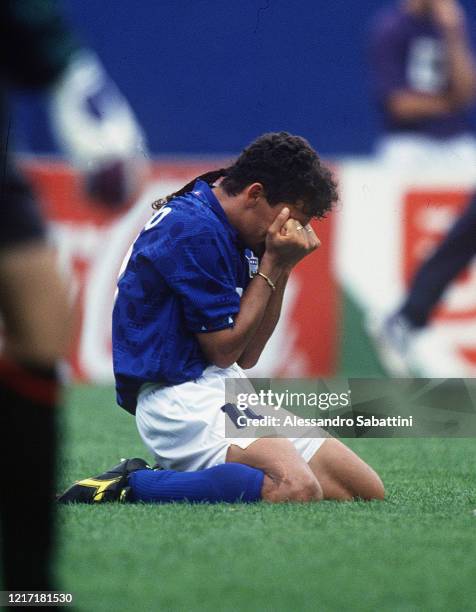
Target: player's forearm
[[225, 347], [287, 242], [462, 69], [408, 106], [255, 347]]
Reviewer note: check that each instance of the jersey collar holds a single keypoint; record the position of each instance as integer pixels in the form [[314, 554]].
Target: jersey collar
[[204, 192]]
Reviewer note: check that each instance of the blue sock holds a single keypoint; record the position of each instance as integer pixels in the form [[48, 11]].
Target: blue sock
[[230, 482]]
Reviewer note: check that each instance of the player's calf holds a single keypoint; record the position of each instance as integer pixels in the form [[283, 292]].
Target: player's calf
[[133, 481], [343, 475]]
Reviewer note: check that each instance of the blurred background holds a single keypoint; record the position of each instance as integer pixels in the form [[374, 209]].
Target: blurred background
[[206, 77]]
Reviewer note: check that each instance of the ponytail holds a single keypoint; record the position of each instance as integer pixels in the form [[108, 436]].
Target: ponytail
[[208, 177]]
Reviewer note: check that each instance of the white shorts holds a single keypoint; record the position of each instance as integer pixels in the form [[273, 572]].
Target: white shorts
[[184, 426]]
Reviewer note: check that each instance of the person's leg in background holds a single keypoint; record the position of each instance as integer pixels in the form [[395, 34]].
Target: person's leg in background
[[433, 277], [394, 336], [35, 310]]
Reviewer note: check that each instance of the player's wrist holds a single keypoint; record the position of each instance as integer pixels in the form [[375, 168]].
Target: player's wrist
[[271, 268]]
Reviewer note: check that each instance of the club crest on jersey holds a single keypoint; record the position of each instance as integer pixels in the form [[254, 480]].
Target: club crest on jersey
[[252, 263]]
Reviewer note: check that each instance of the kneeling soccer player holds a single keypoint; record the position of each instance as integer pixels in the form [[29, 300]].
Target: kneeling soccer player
[[195, 305]]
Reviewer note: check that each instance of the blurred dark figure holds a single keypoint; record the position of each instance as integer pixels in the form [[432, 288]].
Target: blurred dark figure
[[424, 75], [100, 135]]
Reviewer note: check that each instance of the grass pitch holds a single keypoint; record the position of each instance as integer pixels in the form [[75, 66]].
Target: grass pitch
[[415, 551]]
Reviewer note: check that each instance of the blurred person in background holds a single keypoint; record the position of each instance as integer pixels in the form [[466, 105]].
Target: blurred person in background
[[100, 135], [424, 79]]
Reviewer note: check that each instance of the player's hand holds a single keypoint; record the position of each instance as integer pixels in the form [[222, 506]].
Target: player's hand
[[448, 15], [287, 241]]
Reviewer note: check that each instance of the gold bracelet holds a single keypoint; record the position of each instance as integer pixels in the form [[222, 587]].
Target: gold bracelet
[[268, 280]]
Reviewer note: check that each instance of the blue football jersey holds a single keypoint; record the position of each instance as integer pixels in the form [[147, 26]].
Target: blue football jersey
[[185, 275]]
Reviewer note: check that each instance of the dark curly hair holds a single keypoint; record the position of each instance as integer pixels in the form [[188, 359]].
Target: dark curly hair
[[288, 168]]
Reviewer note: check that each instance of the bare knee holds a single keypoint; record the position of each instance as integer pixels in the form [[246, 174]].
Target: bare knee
[[298, 489], [306, 490]]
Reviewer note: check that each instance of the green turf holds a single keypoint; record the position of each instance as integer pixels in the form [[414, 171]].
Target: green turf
[[416, 551]]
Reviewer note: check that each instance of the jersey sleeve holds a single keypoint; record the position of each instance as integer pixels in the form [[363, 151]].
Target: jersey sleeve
[[200, 271]]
